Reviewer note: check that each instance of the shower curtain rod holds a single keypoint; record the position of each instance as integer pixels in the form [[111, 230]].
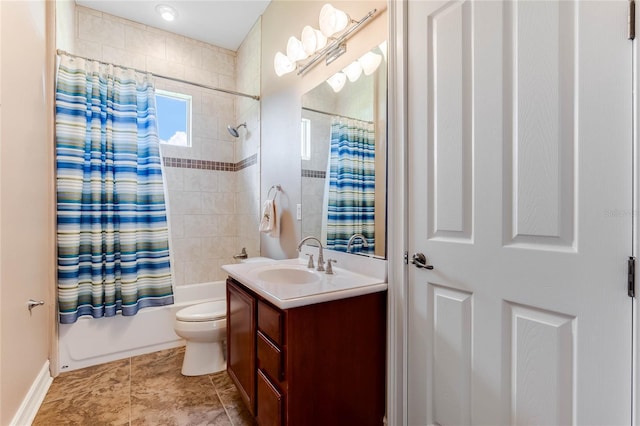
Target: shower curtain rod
[[335, 115], [204, 86]]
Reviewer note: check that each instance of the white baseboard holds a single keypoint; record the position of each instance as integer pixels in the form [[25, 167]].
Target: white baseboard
[[32, 401]]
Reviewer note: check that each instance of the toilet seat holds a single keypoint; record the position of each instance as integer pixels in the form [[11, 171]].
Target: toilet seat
[[208, 311]]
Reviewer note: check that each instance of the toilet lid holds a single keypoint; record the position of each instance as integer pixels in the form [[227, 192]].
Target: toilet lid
[[207, 311]]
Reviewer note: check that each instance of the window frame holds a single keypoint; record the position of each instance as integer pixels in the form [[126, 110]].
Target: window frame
[[305, 139], [188, 118]]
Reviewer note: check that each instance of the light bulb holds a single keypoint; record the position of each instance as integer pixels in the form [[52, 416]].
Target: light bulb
[[337, 81], [383, 49], [312, 40], [332, 20], [166, 12], [295, 51], [282, 64], [353, 71], [370, 62]]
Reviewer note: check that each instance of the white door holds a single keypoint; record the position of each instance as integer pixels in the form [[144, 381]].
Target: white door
[[520, 172]]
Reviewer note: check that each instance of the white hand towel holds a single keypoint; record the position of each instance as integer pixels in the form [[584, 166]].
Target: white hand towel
[[269, 221]]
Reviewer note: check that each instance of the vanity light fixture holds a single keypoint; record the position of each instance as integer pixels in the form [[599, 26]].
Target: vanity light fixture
[[334, 23], [353, 71], [312, 40], [335, 53], [337, 81], [370, 62], [332, 20], [282, 64], [367, 64], [167, 12], [295, 50]]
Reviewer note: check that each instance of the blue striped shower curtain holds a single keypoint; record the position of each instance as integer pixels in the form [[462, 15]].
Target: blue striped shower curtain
[[350, 206], [113, 250]]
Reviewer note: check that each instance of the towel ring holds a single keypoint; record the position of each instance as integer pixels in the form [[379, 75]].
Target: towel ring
[[277, 188]]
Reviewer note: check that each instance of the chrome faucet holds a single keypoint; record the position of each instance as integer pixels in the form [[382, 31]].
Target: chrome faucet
[[320, 256], [242, 255], [352, 239]]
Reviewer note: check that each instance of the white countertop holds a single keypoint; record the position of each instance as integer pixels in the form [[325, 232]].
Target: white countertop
[[341, 285]]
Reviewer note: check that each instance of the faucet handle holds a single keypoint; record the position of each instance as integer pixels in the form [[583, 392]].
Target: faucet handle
[[310, 265], [329, 267]]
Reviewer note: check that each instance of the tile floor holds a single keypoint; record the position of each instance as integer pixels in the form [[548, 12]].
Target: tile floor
[[143, 390]]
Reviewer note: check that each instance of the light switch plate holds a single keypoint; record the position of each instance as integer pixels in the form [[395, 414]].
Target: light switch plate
[[299, 211]]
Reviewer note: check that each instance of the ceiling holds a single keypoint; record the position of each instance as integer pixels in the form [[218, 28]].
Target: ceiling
[[223, 23]]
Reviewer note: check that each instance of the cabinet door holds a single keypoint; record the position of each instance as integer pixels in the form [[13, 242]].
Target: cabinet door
[[241, 342]]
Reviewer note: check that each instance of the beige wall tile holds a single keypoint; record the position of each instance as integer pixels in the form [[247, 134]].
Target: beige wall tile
[[93, 27], [176, 225], [144, 42], [218, 203], [187, 249], [215, 150], [182, 202], [164, 67], [184, 51], [227, 225], [203, 225], [124, 57], [201, 76]]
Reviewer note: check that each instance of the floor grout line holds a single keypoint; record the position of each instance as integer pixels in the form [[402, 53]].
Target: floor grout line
[[224, 407]]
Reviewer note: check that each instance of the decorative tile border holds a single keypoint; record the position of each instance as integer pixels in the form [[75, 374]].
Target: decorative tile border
[[249, 161], [314, 173], [188, 163]]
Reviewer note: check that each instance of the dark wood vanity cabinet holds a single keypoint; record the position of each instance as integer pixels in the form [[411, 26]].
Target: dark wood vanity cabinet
[[241, 342], [321, 364]]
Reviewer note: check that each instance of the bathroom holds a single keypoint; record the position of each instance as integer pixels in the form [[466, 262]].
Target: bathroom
[[544, 209], [213, 207]]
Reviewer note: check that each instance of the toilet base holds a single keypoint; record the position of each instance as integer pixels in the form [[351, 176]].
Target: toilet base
[[203, 358]]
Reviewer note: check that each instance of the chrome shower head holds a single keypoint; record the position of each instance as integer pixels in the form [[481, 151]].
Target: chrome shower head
[[234, 130]]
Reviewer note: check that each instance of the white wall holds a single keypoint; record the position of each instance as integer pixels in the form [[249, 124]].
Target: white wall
[[27, 263], [281, 102]]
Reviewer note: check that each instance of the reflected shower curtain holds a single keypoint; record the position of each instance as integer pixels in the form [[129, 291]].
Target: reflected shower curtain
[[350, 206], [113, 250]]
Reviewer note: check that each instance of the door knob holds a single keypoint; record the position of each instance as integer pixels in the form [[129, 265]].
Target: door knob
[[420, 260], [33, 303]]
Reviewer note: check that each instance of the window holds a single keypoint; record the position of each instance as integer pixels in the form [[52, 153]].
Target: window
[[174, 118], [305, 139]]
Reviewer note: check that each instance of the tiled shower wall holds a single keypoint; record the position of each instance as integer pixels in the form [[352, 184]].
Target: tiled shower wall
[[210, 187], [248, 145]]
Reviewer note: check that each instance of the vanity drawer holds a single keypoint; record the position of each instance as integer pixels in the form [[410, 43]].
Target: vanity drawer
[[271, 402], [270, 321], [270, 358]]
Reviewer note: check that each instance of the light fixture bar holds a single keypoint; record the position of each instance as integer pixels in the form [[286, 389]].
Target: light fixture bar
[[335, 43], [336, 53]]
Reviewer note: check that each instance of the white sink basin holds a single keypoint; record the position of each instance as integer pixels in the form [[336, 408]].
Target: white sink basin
[[284, 275], [289, 283]]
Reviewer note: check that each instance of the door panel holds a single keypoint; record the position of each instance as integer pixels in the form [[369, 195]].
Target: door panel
[[450, 122], [519, 158], [540, 346], [540, 117]]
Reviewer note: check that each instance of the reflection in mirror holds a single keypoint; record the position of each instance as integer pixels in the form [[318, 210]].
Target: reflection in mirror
[[343, 154]]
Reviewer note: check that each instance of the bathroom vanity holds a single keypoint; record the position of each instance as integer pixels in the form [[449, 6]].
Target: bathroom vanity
[[299, 363]]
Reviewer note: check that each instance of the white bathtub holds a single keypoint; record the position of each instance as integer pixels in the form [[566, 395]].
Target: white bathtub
[[91, 341]]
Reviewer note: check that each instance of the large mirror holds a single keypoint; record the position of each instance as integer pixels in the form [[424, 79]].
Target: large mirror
[[344, 157]]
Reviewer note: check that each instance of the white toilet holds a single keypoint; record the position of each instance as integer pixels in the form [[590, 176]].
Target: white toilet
[[204, 327]]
